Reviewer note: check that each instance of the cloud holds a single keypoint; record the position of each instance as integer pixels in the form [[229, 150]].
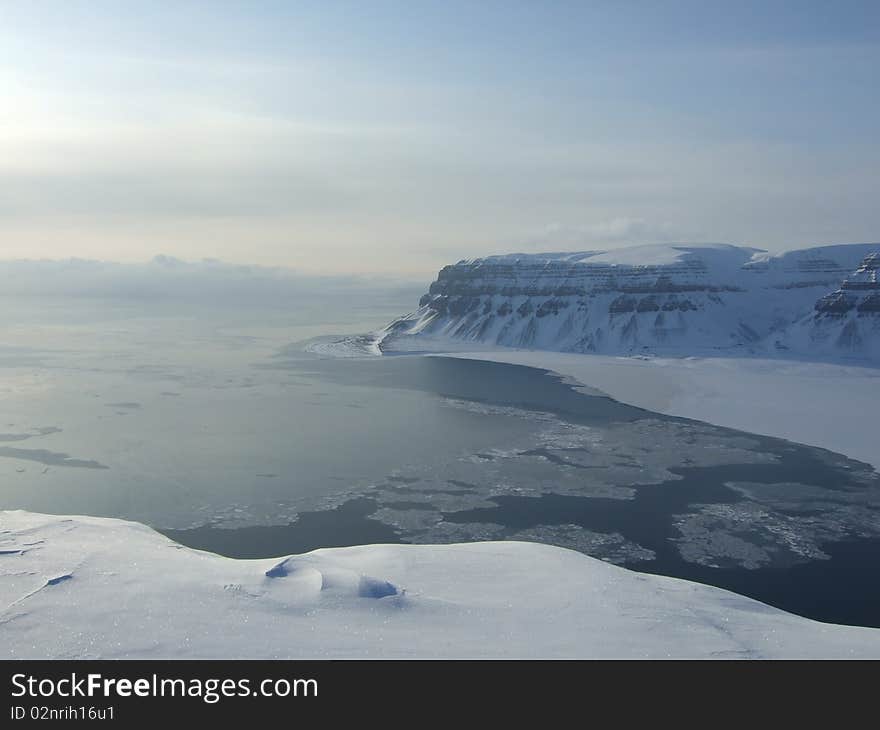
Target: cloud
[[613, 232], [166, 279], [341, 144]]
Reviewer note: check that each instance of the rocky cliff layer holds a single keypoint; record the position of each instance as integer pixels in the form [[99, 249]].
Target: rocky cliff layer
[[846, 320], [672, 299]]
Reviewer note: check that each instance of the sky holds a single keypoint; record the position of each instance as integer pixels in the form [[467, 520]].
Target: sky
[[395, 137]]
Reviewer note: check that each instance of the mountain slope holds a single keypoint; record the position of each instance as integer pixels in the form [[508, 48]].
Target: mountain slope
[[845, 321], [665, 299]]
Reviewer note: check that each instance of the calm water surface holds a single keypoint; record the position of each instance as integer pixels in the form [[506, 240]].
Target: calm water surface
[[224, 438]]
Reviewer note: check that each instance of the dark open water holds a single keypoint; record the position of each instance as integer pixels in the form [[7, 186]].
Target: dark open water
[[791, 525]]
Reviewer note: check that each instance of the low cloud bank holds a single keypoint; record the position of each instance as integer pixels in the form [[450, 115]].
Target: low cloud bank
[[165, 278]]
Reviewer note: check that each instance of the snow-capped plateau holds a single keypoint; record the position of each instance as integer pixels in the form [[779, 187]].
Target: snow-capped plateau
[[86, 587], [659, 299]]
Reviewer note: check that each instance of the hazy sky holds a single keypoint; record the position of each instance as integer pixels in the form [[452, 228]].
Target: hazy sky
[[397, 136]]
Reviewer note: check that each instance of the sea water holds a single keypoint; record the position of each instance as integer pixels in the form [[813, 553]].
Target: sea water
[[216, 429]]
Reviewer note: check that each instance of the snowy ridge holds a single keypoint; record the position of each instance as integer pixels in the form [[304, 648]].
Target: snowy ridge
[[847, 319], [85, 587], [663, 299]]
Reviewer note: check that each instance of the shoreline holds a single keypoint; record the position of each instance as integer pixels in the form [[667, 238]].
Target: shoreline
[[773, 398]]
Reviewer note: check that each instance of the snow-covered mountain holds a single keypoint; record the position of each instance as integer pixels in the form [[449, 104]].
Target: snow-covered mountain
[[665, 299], [845, 321]]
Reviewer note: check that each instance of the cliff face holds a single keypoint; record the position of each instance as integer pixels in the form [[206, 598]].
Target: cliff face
[[663, 299], [846, 320]]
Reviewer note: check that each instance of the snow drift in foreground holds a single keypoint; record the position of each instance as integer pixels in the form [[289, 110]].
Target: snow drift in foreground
[[82, 587], [665, 299]]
